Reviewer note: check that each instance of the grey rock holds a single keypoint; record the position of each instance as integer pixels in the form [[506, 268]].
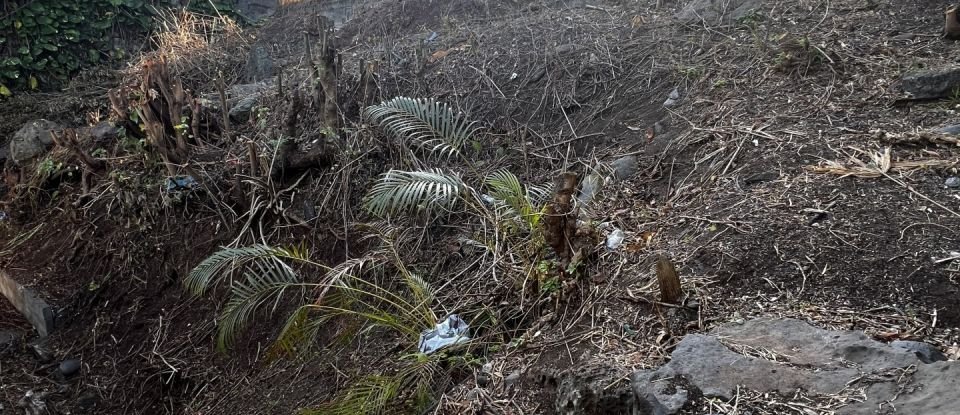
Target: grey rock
[[32, 139], [260, 64], [236, 93], [924, 351], [483, 379], [256, 9], [931, 84], [593, 389], [952, 182], [950, 129], [624, 167], [240, 112], [673, 99], [930, 390], [474, 394], [589, 188], [717, 12], [69, 367], [87, 400], [511, 380], [806, 357], [104, 131]]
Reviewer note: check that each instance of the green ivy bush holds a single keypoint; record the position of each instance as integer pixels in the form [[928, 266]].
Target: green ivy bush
[[44, 42]]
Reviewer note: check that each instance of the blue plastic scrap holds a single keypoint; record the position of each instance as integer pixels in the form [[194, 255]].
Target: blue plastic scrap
[[181, 183], [452, 330]]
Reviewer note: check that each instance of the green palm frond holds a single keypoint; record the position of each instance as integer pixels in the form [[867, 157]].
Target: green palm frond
[[368, 396], [413, 382], [515, 198], [295, 333], [399, 191], [263, 281], [221, 263], [427, 124]]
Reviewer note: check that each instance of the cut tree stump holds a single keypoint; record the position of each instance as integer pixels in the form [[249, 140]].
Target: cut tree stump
[[670, 290]]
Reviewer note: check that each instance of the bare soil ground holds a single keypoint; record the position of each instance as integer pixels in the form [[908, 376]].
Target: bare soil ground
[[727, 188]]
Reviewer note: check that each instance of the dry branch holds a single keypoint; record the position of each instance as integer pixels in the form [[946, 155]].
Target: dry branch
[[68, 140]]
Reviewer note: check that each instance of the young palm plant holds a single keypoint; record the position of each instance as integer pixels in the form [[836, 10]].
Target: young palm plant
[[508, 203], [266, 275], [426, 124], [401, 302]]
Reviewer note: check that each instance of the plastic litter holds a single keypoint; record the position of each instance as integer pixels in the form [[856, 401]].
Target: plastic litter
[[433, 36], [181, 183], [452, 330], [615, 239]]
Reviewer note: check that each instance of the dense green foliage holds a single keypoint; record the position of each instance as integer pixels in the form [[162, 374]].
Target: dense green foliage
[[44, 42]]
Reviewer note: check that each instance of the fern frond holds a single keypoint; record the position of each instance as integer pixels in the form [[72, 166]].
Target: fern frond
[[430, 125], [204, 275], [399, 191]]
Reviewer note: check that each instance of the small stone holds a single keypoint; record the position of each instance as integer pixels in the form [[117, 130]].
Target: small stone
[[87, 400], [260, 64], [952, 182], [624, 167], [240, 112], [511, 380], [104, 131], [474, 394], [673, 99], [483, 380], [487, 367], [69, 367], [924, 351]]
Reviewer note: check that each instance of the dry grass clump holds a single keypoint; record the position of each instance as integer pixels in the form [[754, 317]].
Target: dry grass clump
[[199, 49]]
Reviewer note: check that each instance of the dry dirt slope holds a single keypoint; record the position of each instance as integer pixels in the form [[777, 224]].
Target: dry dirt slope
[[725, 188]]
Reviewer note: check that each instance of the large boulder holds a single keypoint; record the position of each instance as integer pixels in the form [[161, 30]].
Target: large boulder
[[32, 139], [783, 356], [931, 83]]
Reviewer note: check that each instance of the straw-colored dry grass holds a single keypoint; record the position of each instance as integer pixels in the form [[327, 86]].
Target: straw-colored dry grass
[[201, 49]]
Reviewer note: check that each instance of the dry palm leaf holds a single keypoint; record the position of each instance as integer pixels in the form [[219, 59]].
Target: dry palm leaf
[[879, 164]]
